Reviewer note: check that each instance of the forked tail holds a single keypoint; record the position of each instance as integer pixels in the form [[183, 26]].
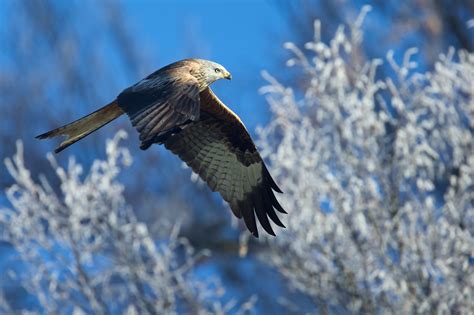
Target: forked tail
[[84, 126]]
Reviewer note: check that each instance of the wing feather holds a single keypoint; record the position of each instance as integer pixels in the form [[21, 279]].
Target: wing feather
[[261, 211], [220, 150], [270, 211], [161, 104]]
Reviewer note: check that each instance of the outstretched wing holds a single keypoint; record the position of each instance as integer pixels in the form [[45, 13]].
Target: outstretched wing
[[220, 150], [161, 104]]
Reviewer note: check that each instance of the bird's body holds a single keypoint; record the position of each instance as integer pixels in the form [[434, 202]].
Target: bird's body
[[174, 106]]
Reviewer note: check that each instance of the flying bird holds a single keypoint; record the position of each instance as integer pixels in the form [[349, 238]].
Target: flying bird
[[175, 106]]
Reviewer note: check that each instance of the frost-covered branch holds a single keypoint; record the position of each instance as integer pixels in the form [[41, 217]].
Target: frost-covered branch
[[378, 179], [86, 252]]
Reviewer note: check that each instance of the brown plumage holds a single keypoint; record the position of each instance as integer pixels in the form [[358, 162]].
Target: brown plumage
[[174, 106]]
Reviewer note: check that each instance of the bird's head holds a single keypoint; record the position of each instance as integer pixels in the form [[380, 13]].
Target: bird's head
[[213, 71]]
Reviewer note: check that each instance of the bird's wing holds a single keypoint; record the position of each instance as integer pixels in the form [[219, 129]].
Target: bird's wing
[[161, 104], [219, 149]]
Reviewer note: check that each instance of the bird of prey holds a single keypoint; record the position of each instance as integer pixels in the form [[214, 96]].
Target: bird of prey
[[174, 106]]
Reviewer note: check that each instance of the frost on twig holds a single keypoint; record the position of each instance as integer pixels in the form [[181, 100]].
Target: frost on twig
[[378, 179], [85, 252]]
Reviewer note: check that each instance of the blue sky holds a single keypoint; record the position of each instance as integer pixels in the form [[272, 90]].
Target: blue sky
[[241, 35]]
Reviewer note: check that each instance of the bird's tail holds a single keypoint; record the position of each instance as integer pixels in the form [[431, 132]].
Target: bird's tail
[[84, 126]]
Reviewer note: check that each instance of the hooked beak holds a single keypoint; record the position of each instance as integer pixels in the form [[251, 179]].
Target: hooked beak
[[228, 76]]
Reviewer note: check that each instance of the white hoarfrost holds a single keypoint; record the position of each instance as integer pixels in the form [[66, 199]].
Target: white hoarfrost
[[84, 252], [378, 175]]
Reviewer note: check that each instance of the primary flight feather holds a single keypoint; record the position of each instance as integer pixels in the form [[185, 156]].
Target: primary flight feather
[[174, 106]]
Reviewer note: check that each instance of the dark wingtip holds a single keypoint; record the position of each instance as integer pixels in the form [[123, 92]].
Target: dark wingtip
[[276, 188], [145, 145], [275, 218], [249, 216], [276, 204], [267, 227], [281, 210], [272, 182]]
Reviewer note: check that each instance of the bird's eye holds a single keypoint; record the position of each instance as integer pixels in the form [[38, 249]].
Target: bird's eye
[[217, 70]]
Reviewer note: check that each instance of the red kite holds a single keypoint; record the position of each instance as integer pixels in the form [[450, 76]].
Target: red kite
[[174, 106]]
